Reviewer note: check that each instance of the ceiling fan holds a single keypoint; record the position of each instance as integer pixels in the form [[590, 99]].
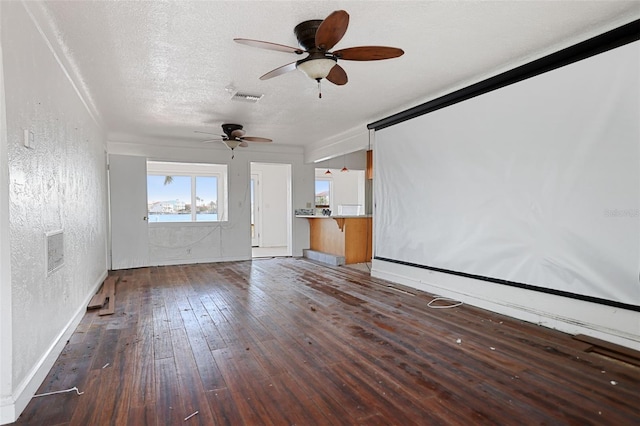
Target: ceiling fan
[[317, 37], [233, 137]]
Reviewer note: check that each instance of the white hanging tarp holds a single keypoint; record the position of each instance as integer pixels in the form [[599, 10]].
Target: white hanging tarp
[[535, 183]]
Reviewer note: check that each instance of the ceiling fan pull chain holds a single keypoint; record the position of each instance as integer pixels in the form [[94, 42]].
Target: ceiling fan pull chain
[[319, 88]]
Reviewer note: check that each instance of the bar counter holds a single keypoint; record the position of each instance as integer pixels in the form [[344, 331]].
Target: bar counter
[[347, 236]]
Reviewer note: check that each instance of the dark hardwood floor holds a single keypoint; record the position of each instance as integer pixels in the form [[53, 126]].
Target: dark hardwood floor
[[291, 342]]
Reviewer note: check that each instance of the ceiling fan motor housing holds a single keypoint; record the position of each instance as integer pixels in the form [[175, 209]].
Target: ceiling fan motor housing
[[229, 128], [306, 33]]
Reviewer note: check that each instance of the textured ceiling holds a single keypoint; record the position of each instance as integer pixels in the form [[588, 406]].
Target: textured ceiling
[[161, 69]]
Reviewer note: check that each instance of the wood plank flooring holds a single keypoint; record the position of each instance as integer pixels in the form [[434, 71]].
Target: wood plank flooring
[[291, 342]]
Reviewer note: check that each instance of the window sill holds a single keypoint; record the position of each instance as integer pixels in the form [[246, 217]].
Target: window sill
[[183, 224]]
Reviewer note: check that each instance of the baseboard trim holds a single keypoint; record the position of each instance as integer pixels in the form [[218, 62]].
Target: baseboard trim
[[11, 408], [7, 411]]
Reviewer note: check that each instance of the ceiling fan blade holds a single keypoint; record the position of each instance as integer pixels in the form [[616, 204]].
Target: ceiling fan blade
[[255, 139], [279, 71], [331, 30], [337, 75], [269, 46], [368, 53], [243, 144], [212, 140], [238, 133]]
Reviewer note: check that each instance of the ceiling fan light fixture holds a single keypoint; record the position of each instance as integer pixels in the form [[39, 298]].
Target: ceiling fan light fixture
[[316, 68], [232, 143]]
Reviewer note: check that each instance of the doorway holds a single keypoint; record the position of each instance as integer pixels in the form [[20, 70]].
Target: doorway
[[271, 217]]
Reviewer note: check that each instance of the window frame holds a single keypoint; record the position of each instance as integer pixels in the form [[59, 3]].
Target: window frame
[[194, 170]]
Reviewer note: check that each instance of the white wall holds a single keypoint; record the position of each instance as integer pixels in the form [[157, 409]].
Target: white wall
[[273, 193], [59, 184], [224, 241], [7, 411], [356, 160], [348, 189]]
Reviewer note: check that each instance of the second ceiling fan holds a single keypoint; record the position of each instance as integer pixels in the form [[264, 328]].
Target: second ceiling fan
[[317, 37], [234, 136]]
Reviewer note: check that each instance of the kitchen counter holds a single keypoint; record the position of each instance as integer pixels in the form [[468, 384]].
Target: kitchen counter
[[348, 236]]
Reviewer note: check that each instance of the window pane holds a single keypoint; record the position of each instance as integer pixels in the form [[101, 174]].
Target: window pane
[[322, 193], [186, 192], [206, 198], [169, 198]]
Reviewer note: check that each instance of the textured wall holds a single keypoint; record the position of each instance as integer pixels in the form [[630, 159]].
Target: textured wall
[[5, 256], [59, 184], [191, 243]]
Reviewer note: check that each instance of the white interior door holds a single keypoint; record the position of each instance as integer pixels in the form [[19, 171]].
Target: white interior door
[[273, 214], [128, 201], [255, 209]]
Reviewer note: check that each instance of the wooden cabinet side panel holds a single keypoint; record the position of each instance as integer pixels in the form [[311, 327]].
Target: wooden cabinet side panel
[[326, 236], [358, 240]]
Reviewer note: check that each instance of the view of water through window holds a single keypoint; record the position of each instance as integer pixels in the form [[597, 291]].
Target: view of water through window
[[171, 199]]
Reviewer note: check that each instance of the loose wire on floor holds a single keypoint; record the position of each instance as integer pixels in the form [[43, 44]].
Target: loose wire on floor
[[60, 391], [455, 304], [189, 416]]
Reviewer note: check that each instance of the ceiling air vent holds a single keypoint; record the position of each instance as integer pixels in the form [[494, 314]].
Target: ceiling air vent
[[246, 97]]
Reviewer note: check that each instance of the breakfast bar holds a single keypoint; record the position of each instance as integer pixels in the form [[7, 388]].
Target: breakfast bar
[[349, 237]]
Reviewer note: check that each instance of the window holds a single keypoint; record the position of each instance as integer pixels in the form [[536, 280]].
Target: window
[[186, 192], [323, 193]]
